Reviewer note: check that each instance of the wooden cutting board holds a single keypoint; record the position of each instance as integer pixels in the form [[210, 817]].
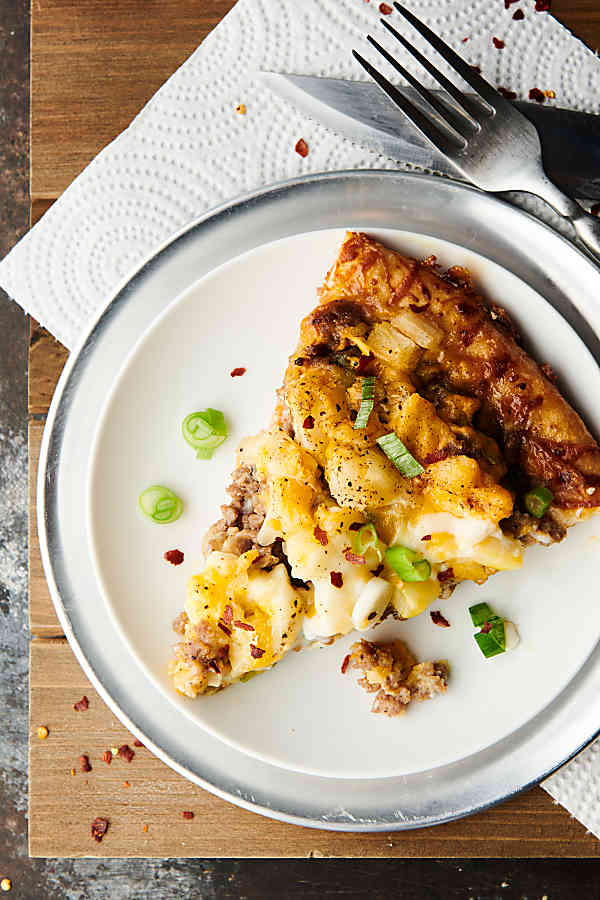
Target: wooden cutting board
[[93, 65]]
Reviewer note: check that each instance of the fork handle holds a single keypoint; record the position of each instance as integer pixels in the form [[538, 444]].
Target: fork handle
[[587, 227]]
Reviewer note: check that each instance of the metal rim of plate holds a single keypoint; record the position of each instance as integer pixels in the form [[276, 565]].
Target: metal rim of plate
[[432, 206]]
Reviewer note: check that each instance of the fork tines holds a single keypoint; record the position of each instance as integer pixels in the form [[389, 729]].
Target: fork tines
[[447, 125]]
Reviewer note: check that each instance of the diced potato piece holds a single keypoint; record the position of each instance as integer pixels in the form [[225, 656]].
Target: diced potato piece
[[467, 570], [499, 553], [412, 598], [419, 328], [362, 480], [394, 348]]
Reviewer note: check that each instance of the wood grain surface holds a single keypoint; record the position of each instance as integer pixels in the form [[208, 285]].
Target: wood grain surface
[[146, 792], [93, 66]]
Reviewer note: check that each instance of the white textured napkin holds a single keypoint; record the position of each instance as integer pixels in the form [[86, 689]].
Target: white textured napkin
[[189, 150]]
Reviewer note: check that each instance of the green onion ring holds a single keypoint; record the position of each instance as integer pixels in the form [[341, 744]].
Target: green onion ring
[[204, 431], [407, 563], [538, 500], [160, 504]]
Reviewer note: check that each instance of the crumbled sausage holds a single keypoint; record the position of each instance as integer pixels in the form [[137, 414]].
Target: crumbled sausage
[[392, 671]]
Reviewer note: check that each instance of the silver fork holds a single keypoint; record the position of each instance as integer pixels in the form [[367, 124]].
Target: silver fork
[[485, 137]]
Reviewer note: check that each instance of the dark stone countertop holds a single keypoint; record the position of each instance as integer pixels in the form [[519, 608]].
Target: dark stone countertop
[[165, 879]]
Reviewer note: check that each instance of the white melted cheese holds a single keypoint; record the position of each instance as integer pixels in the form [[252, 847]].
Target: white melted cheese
[[332, 606], [460, 537], [467, 531]]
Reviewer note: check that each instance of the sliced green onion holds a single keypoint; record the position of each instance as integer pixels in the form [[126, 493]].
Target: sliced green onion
[[395, 450], [365, 542], [204, 431], [367, 402], [160, 504], [364, 538], [538, 501], [493, 638], [481, 613], [409, 564], [488, 645]]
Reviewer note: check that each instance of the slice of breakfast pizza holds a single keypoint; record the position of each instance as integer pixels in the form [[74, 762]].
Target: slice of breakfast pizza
[[415, 445]]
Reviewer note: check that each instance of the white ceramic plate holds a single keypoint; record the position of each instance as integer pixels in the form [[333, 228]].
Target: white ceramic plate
[[247, 313], [438, 209]]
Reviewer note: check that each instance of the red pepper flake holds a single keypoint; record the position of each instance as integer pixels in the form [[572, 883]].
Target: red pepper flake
[[137, 743], [224, 628], [82, 704], [175, 557], [356, 526], [542, 5], [385, 10], [187, 814], [508, 3], [464, 40], [321, 536], [235, 373], [518, 15], [84, 763], [308, 423], [345, 664], [446, 575], [107, 757], [214, 666], [145, 829], [364, 364], [354, 558], [498, 44], [244, 625], [426, 537], [256, 652], [337, 579], [301, 148], [537, 95], [228, 614], [438, 619], [510, 95], [126, 784], [99, 827], [486, 627], [126, 753], [436, 456]]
